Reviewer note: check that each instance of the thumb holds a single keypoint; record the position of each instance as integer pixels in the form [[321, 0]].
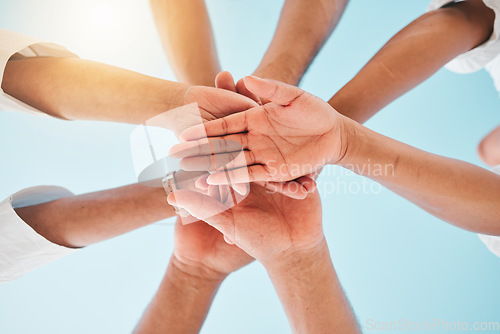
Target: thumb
[[224, 80], [204, 208], [272, 90]]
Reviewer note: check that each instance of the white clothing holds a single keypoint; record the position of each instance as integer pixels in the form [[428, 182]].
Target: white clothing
[[486, 55], [21, 248]]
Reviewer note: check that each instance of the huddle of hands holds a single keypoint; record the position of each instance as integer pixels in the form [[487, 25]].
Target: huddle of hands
[[287, 136]]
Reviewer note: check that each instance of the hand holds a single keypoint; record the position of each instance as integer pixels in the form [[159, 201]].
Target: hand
[[265, 225], [212, 103], [201, 250], [295, 135]]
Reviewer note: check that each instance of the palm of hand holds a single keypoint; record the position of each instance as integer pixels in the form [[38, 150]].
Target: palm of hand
[[296, 139], [268, 224], [202, 246]]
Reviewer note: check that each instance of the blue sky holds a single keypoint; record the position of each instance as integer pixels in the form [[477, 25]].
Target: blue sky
[[394, 260]]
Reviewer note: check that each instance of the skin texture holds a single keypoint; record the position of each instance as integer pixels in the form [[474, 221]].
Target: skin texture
[[489, 148], [413, 55], [201, 261], [187, 38], [186, 34], [79, 221], [72, 88], [282, 142], [77, 89], [286, 236], [457, 192]]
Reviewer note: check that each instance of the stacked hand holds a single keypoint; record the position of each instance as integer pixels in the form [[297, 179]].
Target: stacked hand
[[219, 103], [294, 135], [265, 225]]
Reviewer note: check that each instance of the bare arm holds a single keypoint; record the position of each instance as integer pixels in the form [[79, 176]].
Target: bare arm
[[413, 55], [286, 236], [311, 294], [72, 88], [285, 143], [303, 28], [181, 303], [82, 220], [457, 192], [187, 37]]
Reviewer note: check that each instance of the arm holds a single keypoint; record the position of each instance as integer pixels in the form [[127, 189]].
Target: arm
[[187, 37], [82, 220], [303, 28], [72, 88], [180, 304], [201, 261], [283, 143], [286, 236], [306, 282], [455, 191], [413, 55]]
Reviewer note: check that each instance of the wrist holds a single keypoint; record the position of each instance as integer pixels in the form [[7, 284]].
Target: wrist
[[197, 274], [295, 259], [278, 70], [352, 138]]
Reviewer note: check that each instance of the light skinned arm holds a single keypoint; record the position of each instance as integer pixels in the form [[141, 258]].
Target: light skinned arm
[[82, 220], [303, 28], [186, 34], [413, 55], [455, 191], [78, 89]]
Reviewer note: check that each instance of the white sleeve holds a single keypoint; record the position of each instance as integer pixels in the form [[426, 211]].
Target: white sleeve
[[480, 56], [12, 43], [492, 242], [22, 249]]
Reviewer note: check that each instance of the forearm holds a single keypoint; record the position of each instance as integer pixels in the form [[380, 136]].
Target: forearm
[[82, 220], [181, 302], [187, 37], [302, 30], [311, 294], [458, 192], [73, 88], [413, 55]]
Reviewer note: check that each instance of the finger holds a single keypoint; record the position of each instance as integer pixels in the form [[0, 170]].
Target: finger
[[224, 80], [204, 208], [224, 193], [218, 162], [209, 146], [241, 188], [240, 175], [234, 123], [213, 191], [274, 91], [308, 182], [201, 182], [243, 90]]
